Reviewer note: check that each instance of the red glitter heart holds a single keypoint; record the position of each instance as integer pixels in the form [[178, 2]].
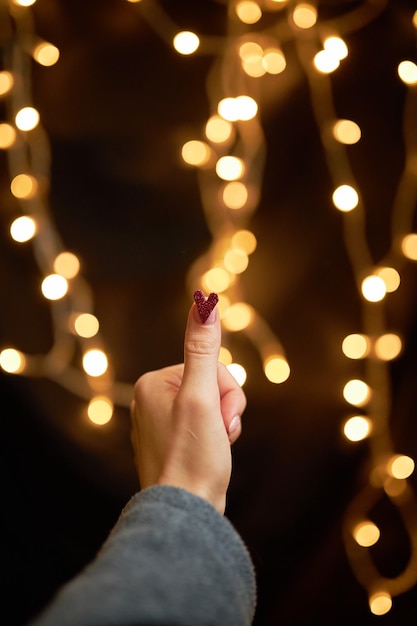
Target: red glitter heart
[[204, 306]]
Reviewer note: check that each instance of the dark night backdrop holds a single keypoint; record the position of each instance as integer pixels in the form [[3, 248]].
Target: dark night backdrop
[[125, 204]]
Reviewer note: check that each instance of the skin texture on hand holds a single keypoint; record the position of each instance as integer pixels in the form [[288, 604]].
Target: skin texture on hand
[[183, 417]]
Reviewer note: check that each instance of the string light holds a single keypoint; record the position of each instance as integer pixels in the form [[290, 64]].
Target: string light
[[100, 410], [186, 42], [233, 147], [27, 118], [23, 228]]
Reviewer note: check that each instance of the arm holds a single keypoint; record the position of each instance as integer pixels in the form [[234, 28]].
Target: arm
[[172, 558]]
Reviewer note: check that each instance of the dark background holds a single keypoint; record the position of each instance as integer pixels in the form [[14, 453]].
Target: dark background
[[115, 108]]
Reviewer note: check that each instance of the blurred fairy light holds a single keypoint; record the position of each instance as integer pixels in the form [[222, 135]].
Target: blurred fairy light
[[356, 392], [54, 287], [23, 228], [248, 11], [67, 264], [7, 136], [27, 118], [85, 324], [345, 198], [390, 276], [6, 82], [100, 410], [186, 42], [357, 428], [12, 361], [373, 288], [229, 159], [366, 533], [238, 372], [95, 362], [355, 346], [407, 71], [23, 186], [45, 53], [346, 131], [218, 130]]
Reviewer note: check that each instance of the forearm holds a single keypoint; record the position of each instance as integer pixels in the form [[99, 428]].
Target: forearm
[[171, 559]]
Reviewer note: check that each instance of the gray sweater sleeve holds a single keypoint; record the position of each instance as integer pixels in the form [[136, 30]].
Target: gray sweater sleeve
[[170, 560]]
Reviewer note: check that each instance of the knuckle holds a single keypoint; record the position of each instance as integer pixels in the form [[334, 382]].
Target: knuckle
[[143, 384], [201, 346]]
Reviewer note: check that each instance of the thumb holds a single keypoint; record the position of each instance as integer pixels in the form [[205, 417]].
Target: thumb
[[202, 344]]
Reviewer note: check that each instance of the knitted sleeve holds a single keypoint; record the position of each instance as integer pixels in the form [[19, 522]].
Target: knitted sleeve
[[170, 560]]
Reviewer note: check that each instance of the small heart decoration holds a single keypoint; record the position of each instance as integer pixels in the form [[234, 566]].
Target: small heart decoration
[[205, 306]]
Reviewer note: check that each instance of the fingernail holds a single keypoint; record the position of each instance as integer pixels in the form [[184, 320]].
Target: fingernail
[[235, 425], [205, 306]]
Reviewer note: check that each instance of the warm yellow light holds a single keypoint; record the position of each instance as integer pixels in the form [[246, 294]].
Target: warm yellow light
[[336, 46], [409, 246], [407, 71], [388, 346], [235, 195], [54, 287], [23, 228], [325, 62], [86, 325], [230, 168], [27, 118], [355, 346], [345, 198], [380, 603], [134, 1], [401, 466], [236, 261], [244, 240], [373, 288], [218, 129], [238, 316], [216, 279], [95, 362], [228, 109], [196, 153], [247, 108], [46, 54], [251, 54], [356, 392], [366, 533], [7, 136], [248, 12], [274, 61], [100, 410], [12, 361], [395, 487], [240, 108], [304, 15], [250, 49], [24, 3], [24, 186], [223, 304], [6, 82], [238, 372], [276, 369], [67, 264], [357, 428], [415, 19], [225, 356], [186, 42], [346, 131], [390, 276], [253, 64]]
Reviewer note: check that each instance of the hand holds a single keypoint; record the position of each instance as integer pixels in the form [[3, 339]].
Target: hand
[[185, 417]]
